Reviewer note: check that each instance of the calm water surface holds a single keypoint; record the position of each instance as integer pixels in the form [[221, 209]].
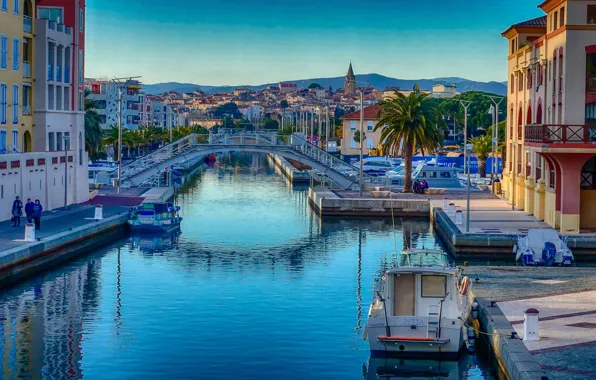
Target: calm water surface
[[255, 287]]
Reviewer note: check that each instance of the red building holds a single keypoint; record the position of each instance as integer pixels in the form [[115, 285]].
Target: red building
[[70, 13]]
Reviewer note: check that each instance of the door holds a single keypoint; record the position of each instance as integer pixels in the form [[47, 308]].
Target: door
[[404, 294]]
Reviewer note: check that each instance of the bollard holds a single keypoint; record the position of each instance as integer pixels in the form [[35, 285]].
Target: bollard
[[29, 232], [531, 325], [459, 217], [475, 310], [445, 203], [98, 212], [451, 209]]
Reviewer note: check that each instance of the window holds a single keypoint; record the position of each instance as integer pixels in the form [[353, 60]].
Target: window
[[81, 100], [15, 139], [51, 141], [16, 7], [2, 103], [352, 143], [3, 52], [369, 126], [529, 78], [80, 66], [15, 103], [15, 54], [591, 14], [520, 82], [26, 100], [370, 144], [434, 286], [561, 70], [512, 83], [81, 19], [5, 5], [562, 16], [52, 14], [556, 20], [67, 142], [433, 175], [2, 142], [445, 175], [59, 141], [352, 125]]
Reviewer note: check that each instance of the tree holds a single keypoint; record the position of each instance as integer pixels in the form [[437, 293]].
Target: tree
[[408, 123], [283, 104], [230, 109], [314, 86], [357, 136], [93, 131], [270, 124], [482, 146], [478, 116]]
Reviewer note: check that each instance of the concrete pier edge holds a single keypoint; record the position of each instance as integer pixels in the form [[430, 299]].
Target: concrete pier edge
[[511, 353], [22, 261], [289, 171]]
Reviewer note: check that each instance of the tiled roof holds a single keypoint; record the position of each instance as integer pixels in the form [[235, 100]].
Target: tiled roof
[[370, 112], [539, 22]]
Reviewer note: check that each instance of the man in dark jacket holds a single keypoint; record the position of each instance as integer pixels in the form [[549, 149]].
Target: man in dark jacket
[[29, 210], [37, 210], [17, 211]]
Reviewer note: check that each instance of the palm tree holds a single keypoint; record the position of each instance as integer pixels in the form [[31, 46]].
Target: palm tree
[[482, 146], [93, 131], [408, 123]]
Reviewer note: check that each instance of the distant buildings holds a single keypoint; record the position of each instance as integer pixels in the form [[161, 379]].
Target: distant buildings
[[287, 87], [444, 91], [550, 168]]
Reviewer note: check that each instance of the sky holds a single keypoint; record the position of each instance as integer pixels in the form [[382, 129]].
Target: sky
[[235, 42]]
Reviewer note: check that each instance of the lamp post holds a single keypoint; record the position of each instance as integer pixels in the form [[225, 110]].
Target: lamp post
[[66, 140], [491, 111], [361, 138], [496, 101], [466, 105]]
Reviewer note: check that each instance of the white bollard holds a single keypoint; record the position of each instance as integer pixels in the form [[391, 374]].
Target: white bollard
[[451, 210], [459, 217], [445, 203], [531, 325], [98, 212], [29, 232]]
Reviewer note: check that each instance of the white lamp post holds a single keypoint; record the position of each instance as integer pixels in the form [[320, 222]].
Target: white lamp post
[[66, 139]]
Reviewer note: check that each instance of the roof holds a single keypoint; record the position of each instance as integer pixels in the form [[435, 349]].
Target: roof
[[370, 112], [538, 22]]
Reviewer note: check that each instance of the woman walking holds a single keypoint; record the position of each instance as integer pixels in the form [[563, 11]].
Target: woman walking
[[37, 209], [17, 211]]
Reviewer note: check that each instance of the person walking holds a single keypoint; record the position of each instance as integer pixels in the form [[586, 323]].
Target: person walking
[[37, 209], [29, 210], [17, 211]]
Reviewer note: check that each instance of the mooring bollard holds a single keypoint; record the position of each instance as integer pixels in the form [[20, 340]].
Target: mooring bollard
[[98, 212], [531, 325], [445, 203], [29, 232], [459, 217], [451, 209]]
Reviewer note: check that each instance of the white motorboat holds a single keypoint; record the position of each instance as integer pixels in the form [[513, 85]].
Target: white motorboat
[[543, 248], [436, 176], [101, 173], [378, 166], [418, 307]]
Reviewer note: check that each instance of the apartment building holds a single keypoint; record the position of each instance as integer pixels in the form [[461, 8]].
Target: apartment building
[[351, 124], [106, 94], [550, 169]]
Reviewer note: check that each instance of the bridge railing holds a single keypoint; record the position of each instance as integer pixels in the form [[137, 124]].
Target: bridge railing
[[246, 138]]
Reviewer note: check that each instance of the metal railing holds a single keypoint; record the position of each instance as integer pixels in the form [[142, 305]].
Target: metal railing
[[27, 28], [560, 134], [26, 69]]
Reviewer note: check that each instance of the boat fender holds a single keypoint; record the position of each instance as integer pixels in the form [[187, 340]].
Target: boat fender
[[463, 289], [519, 254], [514, 248]]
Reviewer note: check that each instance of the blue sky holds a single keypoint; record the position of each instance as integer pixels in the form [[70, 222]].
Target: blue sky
[[233, 42]]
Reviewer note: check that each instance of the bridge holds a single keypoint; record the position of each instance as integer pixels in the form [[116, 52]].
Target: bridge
[[196, 147]]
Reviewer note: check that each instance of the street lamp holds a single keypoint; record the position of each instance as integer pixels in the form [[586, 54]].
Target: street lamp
[[361, 140], [66, 139], [496, 101], [466, 105]]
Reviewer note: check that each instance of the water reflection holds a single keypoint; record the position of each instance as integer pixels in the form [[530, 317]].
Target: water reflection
[[381, 368]]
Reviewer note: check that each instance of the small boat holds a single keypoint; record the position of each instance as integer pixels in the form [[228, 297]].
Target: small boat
[[154, 218], [436, 176], [543, 248], [101, 173], [418, 307], [210, 158], [378, 166]]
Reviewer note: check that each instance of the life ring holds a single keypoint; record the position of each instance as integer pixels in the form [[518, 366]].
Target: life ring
[[463, 288]]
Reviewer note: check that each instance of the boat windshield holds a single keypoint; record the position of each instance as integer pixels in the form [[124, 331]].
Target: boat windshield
[[399, 170], [423, 258]]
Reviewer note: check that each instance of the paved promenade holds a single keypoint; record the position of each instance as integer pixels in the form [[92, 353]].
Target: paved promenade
[[566, 300]]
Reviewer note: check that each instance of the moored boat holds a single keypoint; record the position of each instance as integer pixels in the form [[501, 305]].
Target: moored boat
[[543, 248], [418, 307], [154, 218]]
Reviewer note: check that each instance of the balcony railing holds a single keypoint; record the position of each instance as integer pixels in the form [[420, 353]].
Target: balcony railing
[[26, 110], [67, 75], [50, 72], [27, 24], [58, 74], [560, 134], [26, 69]]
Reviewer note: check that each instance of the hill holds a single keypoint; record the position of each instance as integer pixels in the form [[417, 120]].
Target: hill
[[375, 80]]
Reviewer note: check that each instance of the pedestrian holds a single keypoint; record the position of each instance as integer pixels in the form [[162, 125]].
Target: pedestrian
[[424, 186], [37, 209], [416, 187], [17, 211], [29, 210]]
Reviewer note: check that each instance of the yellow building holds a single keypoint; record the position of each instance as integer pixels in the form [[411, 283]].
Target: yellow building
[[16, 75]]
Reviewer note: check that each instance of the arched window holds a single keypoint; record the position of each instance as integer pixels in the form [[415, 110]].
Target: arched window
[[539, 112], [529, 115], [512, 83], [519, 122], [560, 70], [554, 72], [511, 122]]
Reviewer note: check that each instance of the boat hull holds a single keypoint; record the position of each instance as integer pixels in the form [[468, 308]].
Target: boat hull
[[449, 344]]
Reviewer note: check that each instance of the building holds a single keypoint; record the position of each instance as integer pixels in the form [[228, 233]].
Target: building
[[351, 124], [444, 91], [550, 169], [287, 87], [106, 94], [16, 76], [350, 87]]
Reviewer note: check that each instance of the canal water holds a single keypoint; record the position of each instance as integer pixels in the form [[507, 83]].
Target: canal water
[[255, 287]]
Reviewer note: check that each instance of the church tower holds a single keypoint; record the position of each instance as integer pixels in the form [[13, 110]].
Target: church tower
[[350, 81]]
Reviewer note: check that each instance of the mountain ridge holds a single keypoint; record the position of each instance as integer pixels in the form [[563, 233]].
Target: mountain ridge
[[372, 80]]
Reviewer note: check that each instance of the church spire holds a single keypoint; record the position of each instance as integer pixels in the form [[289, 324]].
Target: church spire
[[350, 71]]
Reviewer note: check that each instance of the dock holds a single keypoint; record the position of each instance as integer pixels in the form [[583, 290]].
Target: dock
[[67, 233], [293, 174]]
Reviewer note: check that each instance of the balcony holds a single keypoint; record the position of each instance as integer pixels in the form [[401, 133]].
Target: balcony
[[27, 24], [67, 75], [560, 134], [58, 74], [50, 72], [26, 110], [26, 69]]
